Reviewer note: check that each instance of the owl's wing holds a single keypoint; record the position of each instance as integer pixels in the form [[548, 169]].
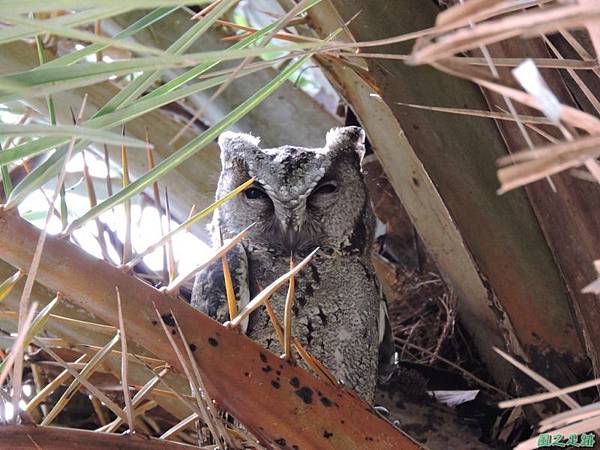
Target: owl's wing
[[209, 294]]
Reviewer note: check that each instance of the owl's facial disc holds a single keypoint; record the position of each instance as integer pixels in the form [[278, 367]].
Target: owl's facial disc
[[282, 220], [294, 220], [302, 198]]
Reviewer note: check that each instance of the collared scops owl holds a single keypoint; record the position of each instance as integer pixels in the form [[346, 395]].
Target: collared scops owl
[[303, 198]]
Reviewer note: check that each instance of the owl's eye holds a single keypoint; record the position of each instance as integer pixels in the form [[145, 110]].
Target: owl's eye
[[329, 187], [255, 194]]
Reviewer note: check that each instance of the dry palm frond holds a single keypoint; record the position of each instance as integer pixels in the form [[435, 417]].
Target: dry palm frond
[[171, 266], [568, 114], [524, 23], [578, 420], [190, 221], [124, 365], [85, 373], [538, 378], [474, 11], [127, 248], [91, 192], [544, 63], [320, 370], [180, 426], [9, 361], [84, 382], [205, 412], [473, 25], [266, 293], [569, 417], [482, 113], [177, 282], [287, 316], [50, 387], [201, 388], [548, 160], [231, 301], [31, 274], [548, 395]]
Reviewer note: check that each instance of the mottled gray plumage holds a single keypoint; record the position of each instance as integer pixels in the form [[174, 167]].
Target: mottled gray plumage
[[303, 198]]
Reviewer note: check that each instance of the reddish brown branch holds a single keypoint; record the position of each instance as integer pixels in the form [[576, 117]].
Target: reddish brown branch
[[280, 403], [21, 437]]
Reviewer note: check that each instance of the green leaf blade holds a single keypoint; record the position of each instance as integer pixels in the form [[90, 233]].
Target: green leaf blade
[[190, 148]]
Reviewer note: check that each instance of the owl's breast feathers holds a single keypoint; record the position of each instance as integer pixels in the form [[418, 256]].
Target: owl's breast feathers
[[337, 309]]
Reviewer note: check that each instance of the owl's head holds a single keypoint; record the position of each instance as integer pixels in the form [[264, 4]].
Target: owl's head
[[302, 197]]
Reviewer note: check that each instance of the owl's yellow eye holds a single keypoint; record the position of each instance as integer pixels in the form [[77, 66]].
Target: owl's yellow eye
[[253, 193]]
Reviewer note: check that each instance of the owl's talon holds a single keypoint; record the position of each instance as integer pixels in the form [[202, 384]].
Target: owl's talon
[[290, 359], [230, 325]]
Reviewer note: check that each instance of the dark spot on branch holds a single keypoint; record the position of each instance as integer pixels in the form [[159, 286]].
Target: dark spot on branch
[[281, 442], [295, 447], [326, 402], [263, 357], [267, 369], [193, 347], [246, 374], [155, 322], [212, 341], [369, 439], [173, 332], [305, 393], [327, 434], [275, 384], [168, 319], [295, 382]]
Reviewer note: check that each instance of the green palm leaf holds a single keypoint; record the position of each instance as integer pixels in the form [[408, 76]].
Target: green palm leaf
[[34, 129], [191, 147]]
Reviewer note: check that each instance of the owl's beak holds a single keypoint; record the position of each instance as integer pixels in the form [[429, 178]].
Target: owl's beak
[[291, 220], [291, 225], [291, 238]]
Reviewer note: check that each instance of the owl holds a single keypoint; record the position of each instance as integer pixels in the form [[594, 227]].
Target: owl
[[303, 198]]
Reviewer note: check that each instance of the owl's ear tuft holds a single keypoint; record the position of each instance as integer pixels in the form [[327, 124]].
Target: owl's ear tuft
[[236, 144], [346, 139]]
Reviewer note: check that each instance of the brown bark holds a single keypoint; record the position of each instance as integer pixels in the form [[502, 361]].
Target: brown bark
[[568, 217], [525, 288], [478, 306]]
